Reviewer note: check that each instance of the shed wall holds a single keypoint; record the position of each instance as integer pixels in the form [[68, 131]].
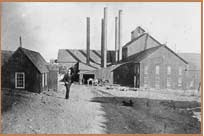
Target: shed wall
[[20, 63]]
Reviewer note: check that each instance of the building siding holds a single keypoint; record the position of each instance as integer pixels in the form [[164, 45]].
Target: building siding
[[136, 46], [163, 58], [124, 75]]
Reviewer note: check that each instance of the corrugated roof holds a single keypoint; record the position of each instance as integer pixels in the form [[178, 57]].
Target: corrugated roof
[[36, 58], [79, 55], [82, 66], [107, 69]]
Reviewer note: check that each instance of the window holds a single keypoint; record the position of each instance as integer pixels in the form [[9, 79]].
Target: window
[[180, 71], [192, 84], [157, 70], [169, 70], [157, 82], [146, 81], [146, 70], [20, 80], [168, 82], [179, 81]]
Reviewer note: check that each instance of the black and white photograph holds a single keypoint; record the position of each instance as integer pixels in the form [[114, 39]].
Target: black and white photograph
[[101, 68]]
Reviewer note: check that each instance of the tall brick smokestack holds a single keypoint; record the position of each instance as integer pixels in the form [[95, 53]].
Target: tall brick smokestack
[[88, 40], [102, 43], [105, 37], [116, 39], [120, 35]]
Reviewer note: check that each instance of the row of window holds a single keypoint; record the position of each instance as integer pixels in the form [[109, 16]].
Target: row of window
[[157, 82], [20, 80], [157, 70]]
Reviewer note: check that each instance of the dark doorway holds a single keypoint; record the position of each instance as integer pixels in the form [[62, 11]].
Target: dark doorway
[[137, 77], [86, 77]]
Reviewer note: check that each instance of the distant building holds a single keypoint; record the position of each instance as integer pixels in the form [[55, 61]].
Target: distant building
[[25, 70], [194, 69], [68, 57]]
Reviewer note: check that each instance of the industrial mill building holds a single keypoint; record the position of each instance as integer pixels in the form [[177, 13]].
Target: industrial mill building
[[143, 62]]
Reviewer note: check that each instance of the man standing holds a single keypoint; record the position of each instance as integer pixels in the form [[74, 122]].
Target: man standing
[[67, 81]]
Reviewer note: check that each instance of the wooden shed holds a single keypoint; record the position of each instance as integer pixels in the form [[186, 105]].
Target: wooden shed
[[25, 70]]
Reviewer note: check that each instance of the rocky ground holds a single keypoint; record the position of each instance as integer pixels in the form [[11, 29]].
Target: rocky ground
[[94, 110], [146, 115]]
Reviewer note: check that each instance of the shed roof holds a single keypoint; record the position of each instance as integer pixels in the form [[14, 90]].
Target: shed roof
[[36, 58]]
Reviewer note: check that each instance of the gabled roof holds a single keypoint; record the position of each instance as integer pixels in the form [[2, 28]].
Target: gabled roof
[[143, 54], [36, 58], [127, 44], [5, 55], [176, 54], [139, 28], [79, 55], [139, 37]]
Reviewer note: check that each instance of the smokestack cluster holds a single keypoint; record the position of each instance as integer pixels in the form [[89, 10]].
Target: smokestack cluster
[[118, 38], [88, 41]]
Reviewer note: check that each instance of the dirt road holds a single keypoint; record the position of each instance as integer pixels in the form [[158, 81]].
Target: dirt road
[[91, 110], [50, 113]]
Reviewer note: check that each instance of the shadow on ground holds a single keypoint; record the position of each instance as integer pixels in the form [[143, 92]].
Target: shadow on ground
[[10, 98], [148, 116]]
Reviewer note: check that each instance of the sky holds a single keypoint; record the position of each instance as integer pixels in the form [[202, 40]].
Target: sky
[[48, 27]]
